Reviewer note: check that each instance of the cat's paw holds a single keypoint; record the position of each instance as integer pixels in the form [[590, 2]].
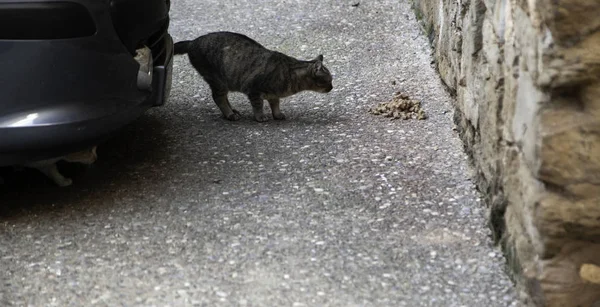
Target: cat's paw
[[234, 116], [261, 118], [279, 116], [64, 182]]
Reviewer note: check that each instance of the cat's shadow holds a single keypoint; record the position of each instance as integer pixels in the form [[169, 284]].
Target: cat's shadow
[[27, 191]]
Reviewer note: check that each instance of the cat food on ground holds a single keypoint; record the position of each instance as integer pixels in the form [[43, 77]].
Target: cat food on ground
[[401, 107]]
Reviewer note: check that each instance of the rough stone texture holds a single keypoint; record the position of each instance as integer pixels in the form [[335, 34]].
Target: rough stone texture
[[526, 75]]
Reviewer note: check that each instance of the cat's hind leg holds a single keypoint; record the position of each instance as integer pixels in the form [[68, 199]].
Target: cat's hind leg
[[274, 104], [220, 97], [52, 172], [257, 107]]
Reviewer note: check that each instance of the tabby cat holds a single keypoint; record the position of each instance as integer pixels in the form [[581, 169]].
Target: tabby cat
[[232, 62]]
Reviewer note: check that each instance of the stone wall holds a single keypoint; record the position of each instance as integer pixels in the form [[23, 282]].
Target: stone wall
[[526, 74]]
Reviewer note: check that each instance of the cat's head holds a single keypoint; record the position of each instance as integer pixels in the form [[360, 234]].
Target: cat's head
[[87, 156], [320, 76]]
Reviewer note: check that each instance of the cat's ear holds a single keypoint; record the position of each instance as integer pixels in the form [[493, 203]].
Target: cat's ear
[[318, 65]]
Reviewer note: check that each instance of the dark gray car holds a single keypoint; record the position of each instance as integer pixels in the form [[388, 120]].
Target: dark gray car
[[72, 72]]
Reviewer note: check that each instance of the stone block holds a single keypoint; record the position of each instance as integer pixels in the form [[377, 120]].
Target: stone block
[[526, 74]]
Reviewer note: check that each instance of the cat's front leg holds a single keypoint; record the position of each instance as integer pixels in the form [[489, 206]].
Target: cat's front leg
[[52, 172], [257, 108], [274, 103], [220, 98]]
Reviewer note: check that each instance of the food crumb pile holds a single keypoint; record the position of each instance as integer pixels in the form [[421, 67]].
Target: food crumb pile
[[401, 107]]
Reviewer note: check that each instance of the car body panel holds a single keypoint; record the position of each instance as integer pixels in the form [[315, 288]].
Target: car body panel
[[62, 94]]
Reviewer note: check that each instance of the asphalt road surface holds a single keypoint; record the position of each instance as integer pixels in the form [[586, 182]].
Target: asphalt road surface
[[332, 207]]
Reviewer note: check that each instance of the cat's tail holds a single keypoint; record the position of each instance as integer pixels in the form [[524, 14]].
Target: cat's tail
[[182, 47]]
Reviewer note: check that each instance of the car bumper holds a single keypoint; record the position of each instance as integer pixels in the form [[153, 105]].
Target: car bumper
[[60, 95]]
